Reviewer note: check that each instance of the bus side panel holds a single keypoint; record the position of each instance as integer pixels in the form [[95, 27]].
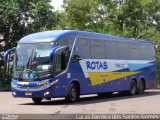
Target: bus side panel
[[86, 83], [150, 74], [120, 84], [77, 74], [61, 86]]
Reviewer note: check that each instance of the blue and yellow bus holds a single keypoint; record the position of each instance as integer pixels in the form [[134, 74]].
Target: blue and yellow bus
[[70, 63]]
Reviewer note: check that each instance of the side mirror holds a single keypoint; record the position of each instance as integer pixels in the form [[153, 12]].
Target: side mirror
[[8, 55], [55, 50]]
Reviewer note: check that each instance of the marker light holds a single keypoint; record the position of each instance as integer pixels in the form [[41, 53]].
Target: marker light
[[46, 93], [14, 93]]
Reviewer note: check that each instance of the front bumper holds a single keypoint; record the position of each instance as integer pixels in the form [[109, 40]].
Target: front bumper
[[45, 93], [39, 89]]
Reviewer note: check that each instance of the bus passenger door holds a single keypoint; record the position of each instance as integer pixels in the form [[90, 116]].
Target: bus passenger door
[[60, 62]]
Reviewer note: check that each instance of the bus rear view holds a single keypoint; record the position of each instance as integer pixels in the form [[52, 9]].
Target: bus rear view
[[68, 63]]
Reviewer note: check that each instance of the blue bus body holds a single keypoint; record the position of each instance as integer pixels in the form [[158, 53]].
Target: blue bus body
[[93, 73]]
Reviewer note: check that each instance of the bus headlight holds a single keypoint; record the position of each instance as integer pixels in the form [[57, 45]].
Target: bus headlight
[[13, 85], [14, 93], [46, 93]]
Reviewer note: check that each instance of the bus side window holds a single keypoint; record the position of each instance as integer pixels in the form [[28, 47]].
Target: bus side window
[[61, 60], [65, 59], [67, 41], [123, 51], [83, 48], [111, 50], [152, 52], [97, 49], [134, 51], [144, 52]]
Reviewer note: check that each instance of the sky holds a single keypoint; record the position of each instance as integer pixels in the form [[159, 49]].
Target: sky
[[57, 4]]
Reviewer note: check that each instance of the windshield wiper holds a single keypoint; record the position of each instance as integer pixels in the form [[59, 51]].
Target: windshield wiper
[[19, 77], [29, 65]]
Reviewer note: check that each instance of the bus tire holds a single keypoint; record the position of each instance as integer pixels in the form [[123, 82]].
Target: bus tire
[[73, 94], [37, 100], [141, 86], [133, 88]]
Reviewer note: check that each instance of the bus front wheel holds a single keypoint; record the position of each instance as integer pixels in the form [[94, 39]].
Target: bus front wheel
[[37, 100], [73, 93], [133, 88]]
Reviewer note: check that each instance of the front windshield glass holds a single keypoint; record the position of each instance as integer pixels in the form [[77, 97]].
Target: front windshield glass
[[32, 62]]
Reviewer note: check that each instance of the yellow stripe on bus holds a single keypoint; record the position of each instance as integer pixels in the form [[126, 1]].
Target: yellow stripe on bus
[[102, 77]]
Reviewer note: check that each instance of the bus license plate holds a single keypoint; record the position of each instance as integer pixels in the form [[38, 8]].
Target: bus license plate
[[28, 93]]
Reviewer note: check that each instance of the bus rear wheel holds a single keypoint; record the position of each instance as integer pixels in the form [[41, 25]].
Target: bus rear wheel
[[133, 88], [141, 87], [37, 100], [73, 93]]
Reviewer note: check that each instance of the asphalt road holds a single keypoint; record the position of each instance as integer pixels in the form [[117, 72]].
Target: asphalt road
[[149, 102]]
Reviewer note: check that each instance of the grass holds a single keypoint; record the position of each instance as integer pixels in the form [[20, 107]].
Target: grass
[[158, 83], [5, 87]]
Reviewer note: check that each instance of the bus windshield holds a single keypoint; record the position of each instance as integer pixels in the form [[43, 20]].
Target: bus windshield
[[31, 61]]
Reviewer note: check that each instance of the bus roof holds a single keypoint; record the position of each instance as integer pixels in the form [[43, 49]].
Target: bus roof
[[49, 36], [46, 36]]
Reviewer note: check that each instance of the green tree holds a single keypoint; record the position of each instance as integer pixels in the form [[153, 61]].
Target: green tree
[[80, 13], [130, 18], [19, 18]]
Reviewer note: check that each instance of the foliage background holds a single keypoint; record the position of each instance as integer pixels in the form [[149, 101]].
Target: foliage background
[[138, 19]]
